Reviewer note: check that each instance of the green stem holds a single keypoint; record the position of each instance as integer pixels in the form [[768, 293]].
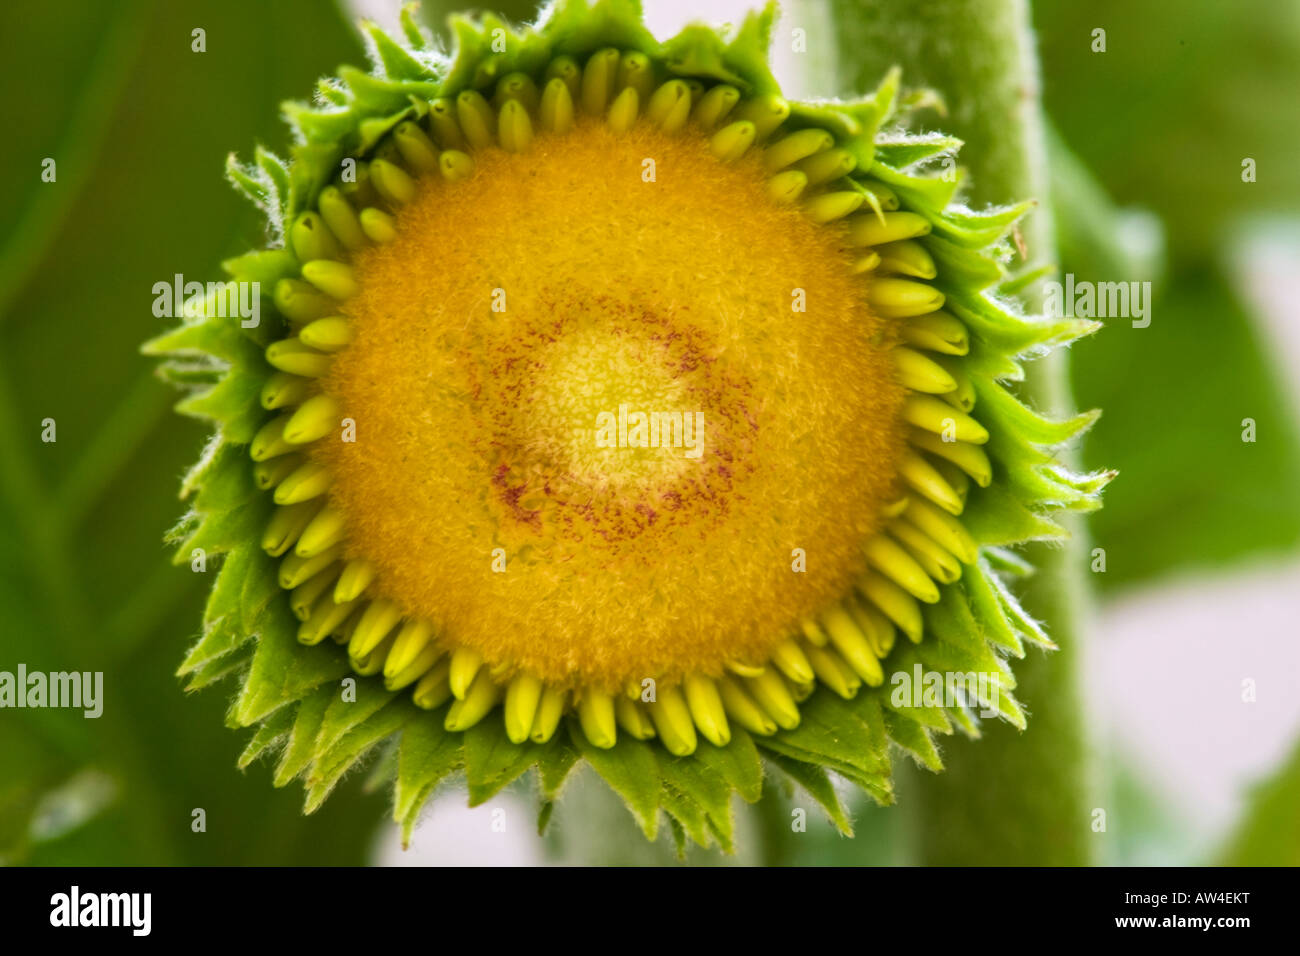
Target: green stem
[[1010, 798]]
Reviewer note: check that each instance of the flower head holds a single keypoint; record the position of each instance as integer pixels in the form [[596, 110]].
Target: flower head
[[614, 408]]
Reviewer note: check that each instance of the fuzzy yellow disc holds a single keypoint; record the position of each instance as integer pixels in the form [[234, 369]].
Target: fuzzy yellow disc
[[606, 393]]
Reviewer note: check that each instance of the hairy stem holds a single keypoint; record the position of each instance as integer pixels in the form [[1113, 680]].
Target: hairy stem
[[1010, 798]]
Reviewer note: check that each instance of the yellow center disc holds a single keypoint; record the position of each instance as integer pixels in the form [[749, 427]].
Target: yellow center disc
[[607, 391]]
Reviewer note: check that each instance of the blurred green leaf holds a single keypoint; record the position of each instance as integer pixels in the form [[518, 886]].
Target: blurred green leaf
[[1095, 238], [1269, 834], [139, 126], [1190, 493], [1143, 827], [1180, 97]]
